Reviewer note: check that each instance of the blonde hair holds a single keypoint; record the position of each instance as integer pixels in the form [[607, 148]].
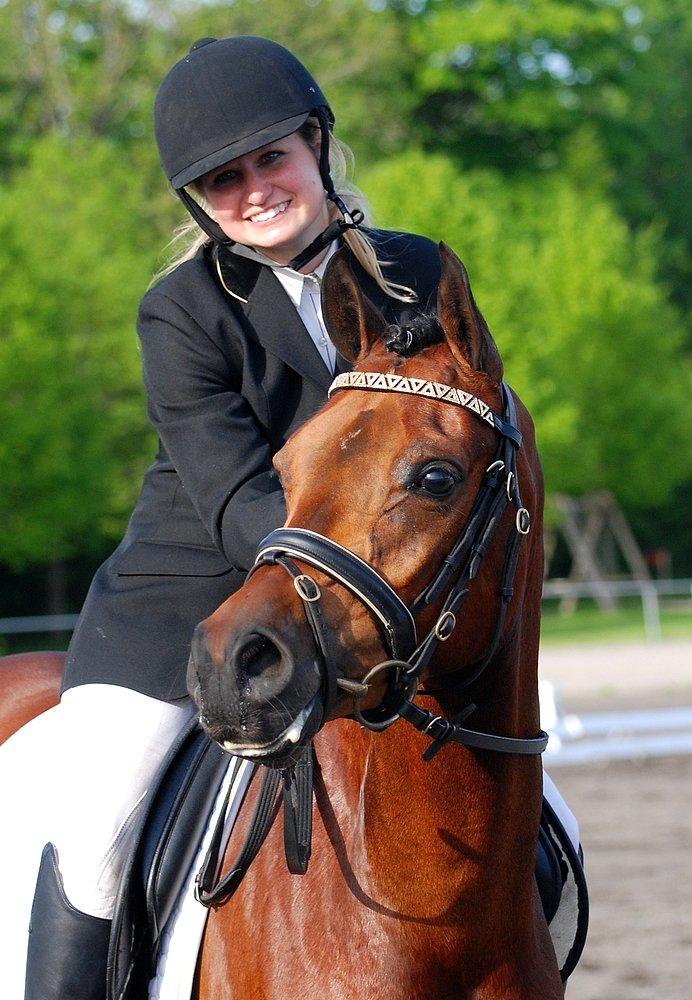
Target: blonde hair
[[188, 237]]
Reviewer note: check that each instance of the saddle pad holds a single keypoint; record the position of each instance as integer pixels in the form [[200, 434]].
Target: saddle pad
[[570, 921], [165, 843], [182, 936]]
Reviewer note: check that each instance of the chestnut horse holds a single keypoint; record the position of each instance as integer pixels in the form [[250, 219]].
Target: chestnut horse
[[421, 883], [29, 685]]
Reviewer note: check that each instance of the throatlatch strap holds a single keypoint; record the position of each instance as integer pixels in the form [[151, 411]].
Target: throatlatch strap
[[447, 731]]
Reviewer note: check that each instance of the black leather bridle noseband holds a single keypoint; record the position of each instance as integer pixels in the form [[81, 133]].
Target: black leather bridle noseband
[[395, 621]]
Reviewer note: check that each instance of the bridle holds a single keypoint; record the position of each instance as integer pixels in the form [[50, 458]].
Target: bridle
[[396, 624], [395, 621]]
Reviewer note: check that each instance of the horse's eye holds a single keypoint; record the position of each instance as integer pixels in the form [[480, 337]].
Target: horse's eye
[[437, 481]]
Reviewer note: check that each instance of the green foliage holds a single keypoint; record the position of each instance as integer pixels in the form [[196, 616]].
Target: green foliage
[[75, 260], [508, 82], [588, 337], [502, 80], [549, 145]]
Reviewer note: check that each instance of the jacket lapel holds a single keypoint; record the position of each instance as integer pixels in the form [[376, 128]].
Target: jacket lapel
[[280, 329], [272, 316]]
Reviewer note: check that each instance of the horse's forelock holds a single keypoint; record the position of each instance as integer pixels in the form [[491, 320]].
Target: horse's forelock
[[412, 336]]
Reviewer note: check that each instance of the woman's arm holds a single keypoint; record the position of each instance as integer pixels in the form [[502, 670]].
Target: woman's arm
[[208, 429]]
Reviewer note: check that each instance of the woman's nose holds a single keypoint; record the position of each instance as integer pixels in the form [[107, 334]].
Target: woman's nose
[[256, 189]]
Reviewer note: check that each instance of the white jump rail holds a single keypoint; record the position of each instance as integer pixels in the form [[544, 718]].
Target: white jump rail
[[605, 736]]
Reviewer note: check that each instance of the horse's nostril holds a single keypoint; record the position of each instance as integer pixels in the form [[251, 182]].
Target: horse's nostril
[[256, 655]]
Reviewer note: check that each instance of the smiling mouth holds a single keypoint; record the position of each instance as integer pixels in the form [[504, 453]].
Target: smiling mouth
[[270, 213], [287, 739]]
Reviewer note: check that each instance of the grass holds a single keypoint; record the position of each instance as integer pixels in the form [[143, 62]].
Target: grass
[[590, 624], [29, 642]]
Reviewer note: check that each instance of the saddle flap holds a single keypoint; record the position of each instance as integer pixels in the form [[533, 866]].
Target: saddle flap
[[170, 828], [177, 824]]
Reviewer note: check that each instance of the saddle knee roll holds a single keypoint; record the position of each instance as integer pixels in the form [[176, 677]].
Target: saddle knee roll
[[68, 949]]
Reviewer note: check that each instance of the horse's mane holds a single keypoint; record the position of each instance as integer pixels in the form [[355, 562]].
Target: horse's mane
[[412, 336]]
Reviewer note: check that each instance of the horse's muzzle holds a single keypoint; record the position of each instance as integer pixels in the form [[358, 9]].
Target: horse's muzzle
[[258, 701]]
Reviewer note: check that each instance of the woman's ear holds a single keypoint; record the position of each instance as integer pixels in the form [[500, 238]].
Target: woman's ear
[[353, 322], [466, 332]]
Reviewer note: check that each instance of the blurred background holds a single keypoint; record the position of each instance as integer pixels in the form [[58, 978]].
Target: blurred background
[[548, 143]]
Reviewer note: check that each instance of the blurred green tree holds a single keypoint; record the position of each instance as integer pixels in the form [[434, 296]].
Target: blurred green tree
[[508, 84], [589, 339], [541, 132], [75, 260]]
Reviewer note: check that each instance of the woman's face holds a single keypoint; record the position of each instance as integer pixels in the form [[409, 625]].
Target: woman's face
[[271, 199]]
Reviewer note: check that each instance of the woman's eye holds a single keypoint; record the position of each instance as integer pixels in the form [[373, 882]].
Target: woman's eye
[[225, 177], [437, 481], [272, 155]]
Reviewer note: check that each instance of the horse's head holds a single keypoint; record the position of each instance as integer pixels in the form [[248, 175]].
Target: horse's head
[[387, 474]]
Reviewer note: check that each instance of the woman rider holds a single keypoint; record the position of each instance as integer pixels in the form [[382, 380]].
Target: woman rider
[[235, 357]]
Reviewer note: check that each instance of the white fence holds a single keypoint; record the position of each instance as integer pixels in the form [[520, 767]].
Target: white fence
[[650, 592], [38, 624]]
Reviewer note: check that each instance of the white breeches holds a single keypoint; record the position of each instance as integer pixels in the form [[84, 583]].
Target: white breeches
[[75, 776]]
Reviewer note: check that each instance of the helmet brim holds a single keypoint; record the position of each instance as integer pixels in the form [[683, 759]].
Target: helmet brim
[[278, 130]]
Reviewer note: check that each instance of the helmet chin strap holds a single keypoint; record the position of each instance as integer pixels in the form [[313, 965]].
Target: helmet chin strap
[[334, 230], [349, 220], [202, 218]]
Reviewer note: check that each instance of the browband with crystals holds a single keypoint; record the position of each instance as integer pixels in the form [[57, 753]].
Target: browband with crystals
[[422, 387]]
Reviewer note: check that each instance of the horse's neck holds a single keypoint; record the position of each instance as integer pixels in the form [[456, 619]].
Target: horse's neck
[[456, 823]]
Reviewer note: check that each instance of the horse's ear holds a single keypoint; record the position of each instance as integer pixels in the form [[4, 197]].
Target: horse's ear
[[467, 333], [352, 321]]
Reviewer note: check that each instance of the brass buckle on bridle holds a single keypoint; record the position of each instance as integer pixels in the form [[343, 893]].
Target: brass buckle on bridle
[[303, 583]]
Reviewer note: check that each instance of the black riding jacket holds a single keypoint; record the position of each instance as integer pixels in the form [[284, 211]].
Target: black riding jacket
[[230, 372]]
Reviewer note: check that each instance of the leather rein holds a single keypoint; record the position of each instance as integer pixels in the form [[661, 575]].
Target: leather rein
[[409, 656]]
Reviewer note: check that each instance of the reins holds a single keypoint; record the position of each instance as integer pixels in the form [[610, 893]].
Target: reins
[[396, 625]]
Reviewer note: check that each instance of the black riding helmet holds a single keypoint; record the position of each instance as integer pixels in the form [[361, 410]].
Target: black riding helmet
[[228, 97]]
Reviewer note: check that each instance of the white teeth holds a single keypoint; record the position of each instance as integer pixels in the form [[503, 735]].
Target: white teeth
[[271, 213]]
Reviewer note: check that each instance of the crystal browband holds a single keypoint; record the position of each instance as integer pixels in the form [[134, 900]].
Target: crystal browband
[[419, 387]]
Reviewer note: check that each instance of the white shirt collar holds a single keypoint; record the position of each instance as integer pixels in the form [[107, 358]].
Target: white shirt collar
[[293, 281]]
